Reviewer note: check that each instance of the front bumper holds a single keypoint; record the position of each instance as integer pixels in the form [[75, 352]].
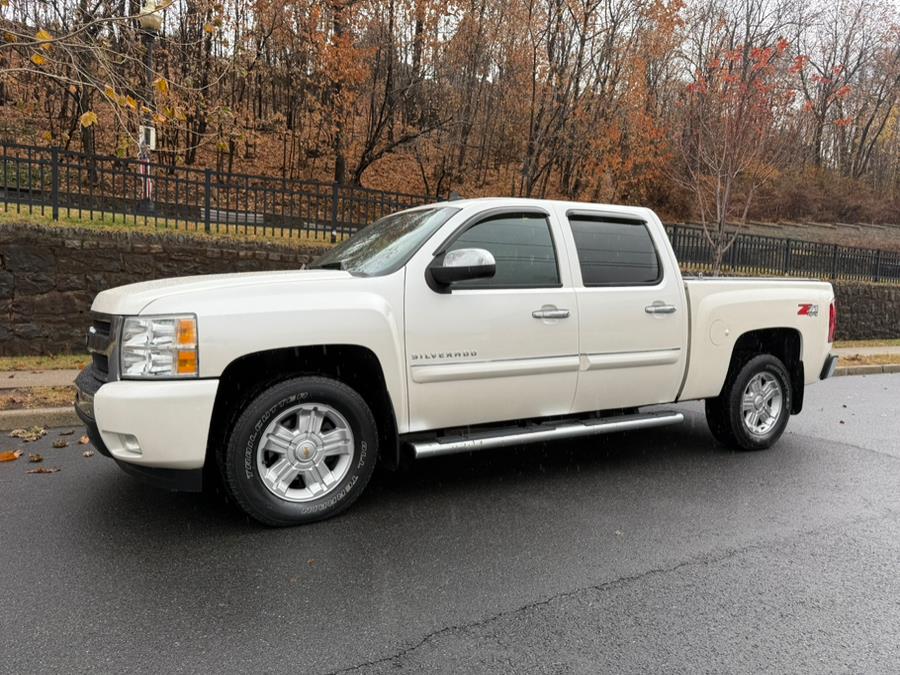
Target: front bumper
[[148, 425], [831, 362]]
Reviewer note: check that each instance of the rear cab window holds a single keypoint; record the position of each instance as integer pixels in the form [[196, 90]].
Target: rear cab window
[[614, 251]]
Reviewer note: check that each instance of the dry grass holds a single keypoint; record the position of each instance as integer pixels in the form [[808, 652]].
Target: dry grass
[[111, 222], [53, 362], [36, 397]]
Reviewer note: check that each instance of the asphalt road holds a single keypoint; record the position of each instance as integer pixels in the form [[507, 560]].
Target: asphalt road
[[648, 551]]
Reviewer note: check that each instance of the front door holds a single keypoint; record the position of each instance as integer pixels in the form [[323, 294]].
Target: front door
[[494, 349]]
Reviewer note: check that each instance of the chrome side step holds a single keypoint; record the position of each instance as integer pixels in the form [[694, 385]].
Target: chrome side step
[[545, 432]]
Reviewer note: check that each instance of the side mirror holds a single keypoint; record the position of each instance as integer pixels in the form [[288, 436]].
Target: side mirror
[[461, 265]]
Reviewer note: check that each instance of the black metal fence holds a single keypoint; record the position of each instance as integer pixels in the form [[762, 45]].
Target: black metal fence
[[755, 255], [58, 182]]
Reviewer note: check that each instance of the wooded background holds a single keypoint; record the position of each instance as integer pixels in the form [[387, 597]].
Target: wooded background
[[715, 110]]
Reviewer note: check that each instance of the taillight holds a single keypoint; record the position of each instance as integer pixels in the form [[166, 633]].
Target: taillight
[[832, 322]]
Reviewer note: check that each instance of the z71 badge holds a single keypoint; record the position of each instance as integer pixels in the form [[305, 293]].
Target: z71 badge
[[807, 309]]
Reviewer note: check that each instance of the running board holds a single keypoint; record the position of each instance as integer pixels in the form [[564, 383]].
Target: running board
[[499, 438]]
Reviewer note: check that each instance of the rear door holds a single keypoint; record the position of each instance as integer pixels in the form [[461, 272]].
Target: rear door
[[633, 319]]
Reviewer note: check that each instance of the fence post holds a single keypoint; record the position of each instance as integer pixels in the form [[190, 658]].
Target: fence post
[[732, 253], [878, 265], [834, 252], [335, 188], [787, 257], [207, 198], [54, 182]]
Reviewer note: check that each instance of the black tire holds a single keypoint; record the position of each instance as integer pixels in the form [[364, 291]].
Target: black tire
[[717, 420], [725, 416], [238, 462]]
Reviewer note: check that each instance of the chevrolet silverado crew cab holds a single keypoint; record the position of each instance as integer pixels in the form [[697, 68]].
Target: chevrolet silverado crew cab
[[459, 326]]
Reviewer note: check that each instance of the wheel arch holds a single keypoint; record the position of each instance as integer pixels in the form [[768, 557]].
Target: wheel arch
[[357, 366], [784, 343]]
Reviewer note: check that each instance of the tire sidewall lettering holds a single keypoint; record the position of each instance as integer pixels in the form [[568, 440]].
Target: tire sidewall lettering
[[249, 481]]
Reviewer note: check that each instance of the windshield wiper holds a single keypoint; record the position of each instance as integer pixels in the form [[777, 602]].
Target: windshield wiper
[[337, 265]]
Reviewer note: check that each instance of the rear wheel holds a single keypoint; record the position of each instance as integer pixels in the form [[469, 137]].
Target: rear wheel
[[753, 409], [301, 451]]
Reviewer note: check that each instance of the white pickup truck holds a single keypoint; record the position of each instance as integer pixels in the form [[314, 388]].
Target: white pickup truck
[[453, 327]]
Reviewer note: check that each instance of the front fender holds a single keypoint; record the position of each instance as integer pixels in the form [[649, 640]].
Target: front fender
[[365, 312]]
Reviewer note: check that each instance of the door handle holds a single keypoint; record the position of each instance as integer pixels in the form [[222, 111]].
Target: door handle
[[660, 309], [550, 314]]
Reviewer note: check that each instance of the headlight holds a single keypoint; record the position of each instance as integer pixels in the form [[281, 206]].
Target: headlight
[[159, 346]]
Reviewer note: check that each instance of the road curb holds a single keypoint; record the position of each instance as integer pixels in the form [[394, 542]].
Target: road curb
[[38, 417], [867, 370]]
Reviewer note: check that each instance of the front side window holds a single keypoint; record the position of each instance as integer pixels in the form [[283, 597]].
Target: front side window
[[387, 244], [522, 248], [614, 251]]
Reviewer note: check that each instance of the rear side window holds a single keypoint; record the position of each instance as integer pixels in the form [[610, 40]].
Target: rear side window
[[522, 247], [614, 251]]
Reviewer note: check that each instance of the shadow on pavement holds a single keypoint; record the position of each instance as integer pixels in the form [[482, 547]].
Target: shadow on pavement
[[123, 501]]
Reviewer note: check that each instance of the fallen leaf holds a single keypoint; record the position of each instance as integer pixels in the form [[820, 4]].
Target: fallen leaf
[[29, 434], [84, 440], [44, 469], [35, 457], [60, 443], [10, 455], [67, 433], [87, 453], [38, 59]]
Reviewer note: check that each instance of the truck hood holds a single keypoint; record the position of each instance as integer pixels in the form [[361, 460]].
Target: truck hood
[[133, 298]]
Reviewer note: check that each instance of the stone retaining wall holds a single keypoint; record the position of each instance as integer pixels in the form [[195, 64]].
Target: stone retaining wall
[[50, 275], [867, 311]]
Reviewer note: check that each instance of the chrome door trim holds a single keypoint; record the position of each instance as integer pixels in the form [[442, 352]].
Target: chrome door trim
[[477, 370], [606, 361]]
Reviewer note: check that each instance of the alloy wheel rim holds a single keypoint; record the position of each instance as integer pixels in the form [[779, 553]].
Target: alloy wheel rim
[[762, 404], [305, 452]]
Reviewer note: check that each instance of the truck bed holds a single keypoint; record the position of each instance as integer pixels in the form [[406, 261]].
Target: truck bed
[[722, 309]]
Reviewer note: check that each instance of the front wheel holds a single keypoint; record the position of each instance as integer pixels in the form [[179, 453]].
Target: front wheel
[[753, 409], [301, 451]]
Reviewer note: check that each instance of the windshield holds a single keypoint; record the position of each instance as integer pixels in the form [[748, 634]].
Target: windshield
[[385, 245]]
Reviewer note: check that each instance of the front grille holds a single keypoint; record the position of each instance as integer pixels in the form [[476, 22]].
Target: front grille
[[101, 344]]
